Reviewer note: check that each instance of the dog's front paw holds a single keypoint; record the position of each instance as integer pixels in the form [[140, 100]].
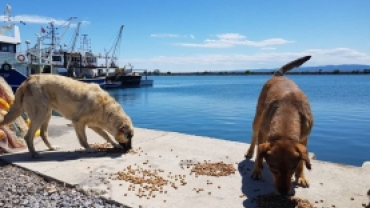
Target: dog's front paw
[[257, 174], [91, 150], [117, 146], [249, 154], [302, 181], [54, 148]]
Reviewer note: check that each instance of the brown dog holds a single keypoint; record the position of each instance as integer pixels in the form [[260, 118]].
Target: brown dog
[[282, 124]]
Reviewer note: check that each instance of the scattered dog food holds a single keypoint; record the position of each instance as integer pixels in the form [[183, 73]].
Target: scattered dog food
[[198, 190], [213, 169], [148, 181], [108, 148], [272, 200]]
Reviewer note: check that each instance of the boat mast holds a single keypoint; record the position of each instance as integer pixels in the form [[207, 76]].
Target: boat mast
[[116, 45], [8, 16], [114, 48], [55, 41], [77, 32]]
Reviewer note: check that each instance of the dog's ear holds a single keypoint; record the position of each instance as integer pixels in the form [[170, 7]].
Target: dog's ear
[[302, 150], [264, 149]]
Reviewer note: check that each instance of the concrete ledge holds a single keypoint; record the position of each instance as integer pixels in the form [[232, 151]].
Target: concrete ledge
[[335, 184]]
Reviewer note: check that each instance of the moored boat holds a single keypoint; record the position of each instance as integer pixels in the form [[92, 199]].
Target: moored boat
[[16, 66], [13, 62]]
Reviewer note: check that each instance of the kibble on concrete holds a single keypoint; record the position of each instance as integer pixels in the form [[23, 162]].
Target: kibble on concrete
[[148, 181], [108, 148], [21, 188], [213, 169], [272, 200]]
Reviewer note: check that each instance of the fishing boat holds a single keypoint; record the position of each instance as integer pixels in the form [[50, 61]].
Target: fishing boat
[[16, 65], [127, 77], [13, 62], [65, 60], [52, 57], [124, 77], [83, 64]]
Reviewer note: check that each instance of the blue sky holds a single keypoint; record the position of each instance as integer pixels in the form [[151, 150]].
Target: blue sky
[[199, 35]]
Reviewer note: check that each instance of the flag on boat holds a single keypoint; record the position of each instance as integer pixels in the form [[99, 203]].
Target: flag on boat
[[43, 30]]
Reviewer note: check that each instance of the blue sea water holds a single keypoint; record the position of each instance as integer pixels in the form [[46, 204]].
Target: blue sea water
[[224, 107]]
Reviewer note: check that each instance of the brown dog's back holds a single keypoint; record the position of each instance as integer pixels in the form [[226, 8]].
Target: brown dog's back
[[284, 106]]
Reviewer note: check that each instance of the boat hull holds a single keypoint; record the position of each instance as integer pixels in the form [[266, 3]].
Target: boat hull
[[13, 77], [125, 81], [97, 80], [110, 85]]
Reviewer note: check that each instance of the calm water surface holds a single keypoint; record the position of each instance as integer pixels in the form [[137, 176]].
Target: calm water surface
[[224, 107]]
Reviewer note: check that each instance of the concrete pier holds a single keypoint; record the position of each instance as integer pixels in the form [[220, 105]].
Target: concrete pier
[[334, 184]]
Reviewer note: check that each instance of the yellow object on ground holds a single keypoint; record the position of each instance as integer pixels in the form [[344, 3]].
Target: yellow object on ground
[[28, 122], [37, 133], [4, 104], [2, 135]]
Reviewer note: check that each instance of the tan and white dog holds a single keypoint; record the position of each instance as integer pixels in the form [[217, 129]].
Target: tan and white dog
[[282, 124], [82, 103]]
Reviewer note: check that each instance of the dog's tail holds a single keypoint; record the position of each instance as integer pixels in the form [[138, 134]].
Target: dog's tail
[[291, 65], [17, 107]]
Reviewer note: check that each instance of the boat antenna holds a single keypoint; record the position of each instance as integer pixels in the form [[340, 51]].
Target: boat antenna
[[7, 15]]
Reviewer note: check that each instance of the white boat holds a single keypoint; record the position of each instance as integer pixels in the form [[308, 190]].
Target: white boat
[[13, 62], [16, 65], [51, 57]]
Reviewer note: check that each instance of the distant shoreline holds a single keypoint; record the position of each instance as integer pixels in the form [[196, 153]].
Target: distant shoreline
[[247, 73]]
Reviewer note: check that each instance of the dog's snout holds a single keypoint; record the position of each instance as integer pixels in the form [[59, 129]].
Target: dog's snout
[[283, 192], [129, 135], [128, 145]]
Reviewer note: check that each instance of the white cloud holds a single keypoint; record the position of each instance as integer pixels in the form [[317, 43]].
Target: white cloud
[[197, 45], [229, 40], [201, 62], [170, 35], [35, 19], [268, 48], [344, 52]]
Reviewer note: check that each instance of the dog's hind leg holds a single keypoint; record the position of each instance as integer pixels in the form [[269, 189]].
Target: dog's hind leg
[[254, 139], [44, 131], [36, 122], [103, 134], [81, 135]]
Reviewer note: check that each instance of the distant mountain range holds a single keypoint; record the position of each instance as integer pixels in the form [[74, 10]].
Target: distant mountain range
[[324, 68]]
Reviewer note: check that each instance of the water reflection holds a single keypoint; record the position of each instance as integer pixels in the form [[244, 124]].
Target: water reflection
[[130, 95]]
